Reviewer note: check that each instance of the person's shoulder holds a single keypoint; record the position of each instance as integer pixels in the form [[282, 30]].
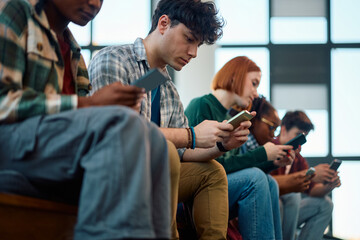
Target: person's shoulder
[[202, 102], [118, 54], [15, 14], [16, 7], [116, 50]]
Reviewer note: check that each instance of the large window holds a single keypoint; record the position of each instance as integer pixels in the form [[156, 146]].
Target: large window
[[345, 86], [345, 21], [246, 21]]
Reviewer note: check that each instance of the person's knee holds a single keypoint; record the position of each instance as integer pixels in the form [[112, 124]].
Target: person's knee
[[273, 185], [327, 204], [216, 173], [293, 199]]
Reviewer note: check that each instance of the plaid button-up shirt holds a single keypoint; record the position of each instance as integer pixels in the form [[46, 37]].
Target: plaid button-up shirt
[[31, 65], [126, 64]]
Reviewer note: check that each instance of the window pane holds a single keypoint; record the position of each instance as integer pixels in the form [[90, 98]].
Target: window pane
[[81, 34], [345, 21], [290, 96], [246, 21], [346, 198], [121, 22], [86, 54], [298, 30], [296, 8], [317, 140], [259, 55], [345, 85]]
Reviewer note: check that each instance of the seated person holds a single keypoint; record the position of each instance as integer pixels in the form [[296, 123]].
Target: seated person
[[52, 134], [253, 195], [178, 29], [313, 209]]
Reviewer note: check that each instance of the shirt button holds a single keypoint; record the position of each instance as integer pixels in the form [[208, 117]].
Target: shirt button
[[90, 86], [39, 46]]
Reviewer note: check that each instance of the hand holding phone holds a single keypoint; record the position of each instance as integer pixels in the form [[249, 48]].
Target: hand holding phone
[[335, 164], [296, 141], [242, 116], [310, 172]]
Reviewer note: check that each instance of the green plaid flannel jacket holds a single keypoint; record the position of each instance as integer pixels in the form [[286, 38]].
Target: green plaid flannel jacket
[[31, 65]]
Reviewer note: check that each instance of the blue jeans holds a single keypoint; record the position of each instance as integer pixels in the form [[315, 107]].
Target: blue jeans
[[312, 213], [119, 160], [290, 207], [254, 199], [315, 213]]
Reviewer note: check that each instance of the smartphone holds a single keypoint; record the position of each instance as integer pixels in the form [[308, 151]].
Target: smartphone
[[296, 141], [310, 171], [240, 117], [335, 164], [150, 80]]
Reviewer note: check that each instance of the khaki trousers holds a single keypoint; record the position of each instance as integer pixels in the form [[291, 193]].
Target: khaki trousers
[[204, 184]]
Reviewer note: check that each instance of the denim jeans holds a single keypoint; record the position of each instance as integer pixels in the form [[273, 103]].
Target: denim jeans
[[254, 199], [290, 207], [119, 160], [312, 213], [315, 213]]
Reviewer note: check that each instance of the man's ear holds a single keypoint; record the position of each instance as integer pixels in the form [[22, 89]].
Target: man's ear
[[283, 130], [163, 23]]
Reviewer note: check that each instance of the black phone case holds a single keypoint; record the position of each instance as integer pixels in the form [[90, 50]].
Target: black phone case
[[335, 165], [296, 141]]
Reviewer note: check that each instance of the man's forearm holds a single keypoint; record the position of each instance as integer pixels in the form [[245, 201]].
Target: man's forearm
[[320, 190], [178, 136]]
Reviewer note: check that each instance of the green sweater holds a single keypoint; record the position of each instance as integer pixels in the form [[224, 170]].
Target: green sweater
[[208, 107]]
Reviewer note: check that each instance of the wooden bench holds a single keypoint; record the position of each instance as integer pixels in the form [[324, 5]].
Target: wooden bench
[[32, 218]]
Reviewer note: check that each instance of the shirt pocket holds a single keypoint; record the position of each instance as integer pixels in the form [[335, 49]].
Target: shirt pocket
[[41, 59]]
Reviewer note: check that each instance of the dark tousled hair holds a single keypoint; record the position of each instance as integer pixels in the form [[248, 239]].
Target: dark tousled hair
[[200, 17], [297, 119]]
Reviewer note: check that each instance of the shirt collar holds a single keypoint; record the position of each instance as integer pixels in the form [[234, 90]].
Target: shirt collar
[[139, 50], [43, 21]]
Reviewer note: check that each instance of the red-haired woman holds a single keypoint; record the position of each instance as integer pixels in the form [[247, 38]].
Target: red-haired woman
[[253, 194]]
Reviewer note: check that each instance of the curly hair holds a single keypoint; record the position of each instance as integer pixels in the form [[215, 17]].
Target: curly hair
[[297, 119], [262, 107], [200, 17]]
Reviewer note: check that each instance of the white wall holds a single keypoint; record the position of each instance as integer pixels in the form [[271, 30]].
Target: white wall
[[194, 79]]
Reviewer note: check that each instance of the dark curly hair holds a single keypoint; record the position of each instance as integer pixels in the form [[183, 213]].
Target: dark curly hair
[[200, 17], [262, 107], [297, 119]]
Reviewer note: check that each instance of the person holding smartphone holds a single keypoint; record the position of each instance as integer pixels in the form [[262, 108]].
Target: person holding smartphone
[[313, 208], [178, 29], [253, 194]]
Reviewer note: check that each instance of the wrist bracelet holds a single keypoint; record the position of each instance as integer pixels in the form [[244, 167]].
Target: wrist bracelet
[[193, 137], [189, 143], [221, 147]]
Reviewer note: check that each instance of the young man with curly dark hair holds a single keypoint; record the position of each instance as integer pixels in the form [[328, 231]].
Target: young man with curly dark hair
[[178, 29]]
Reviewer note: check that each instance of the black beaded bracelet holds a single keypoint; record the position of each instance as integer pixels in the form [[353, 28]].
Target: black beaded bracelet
[[221, 147]]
